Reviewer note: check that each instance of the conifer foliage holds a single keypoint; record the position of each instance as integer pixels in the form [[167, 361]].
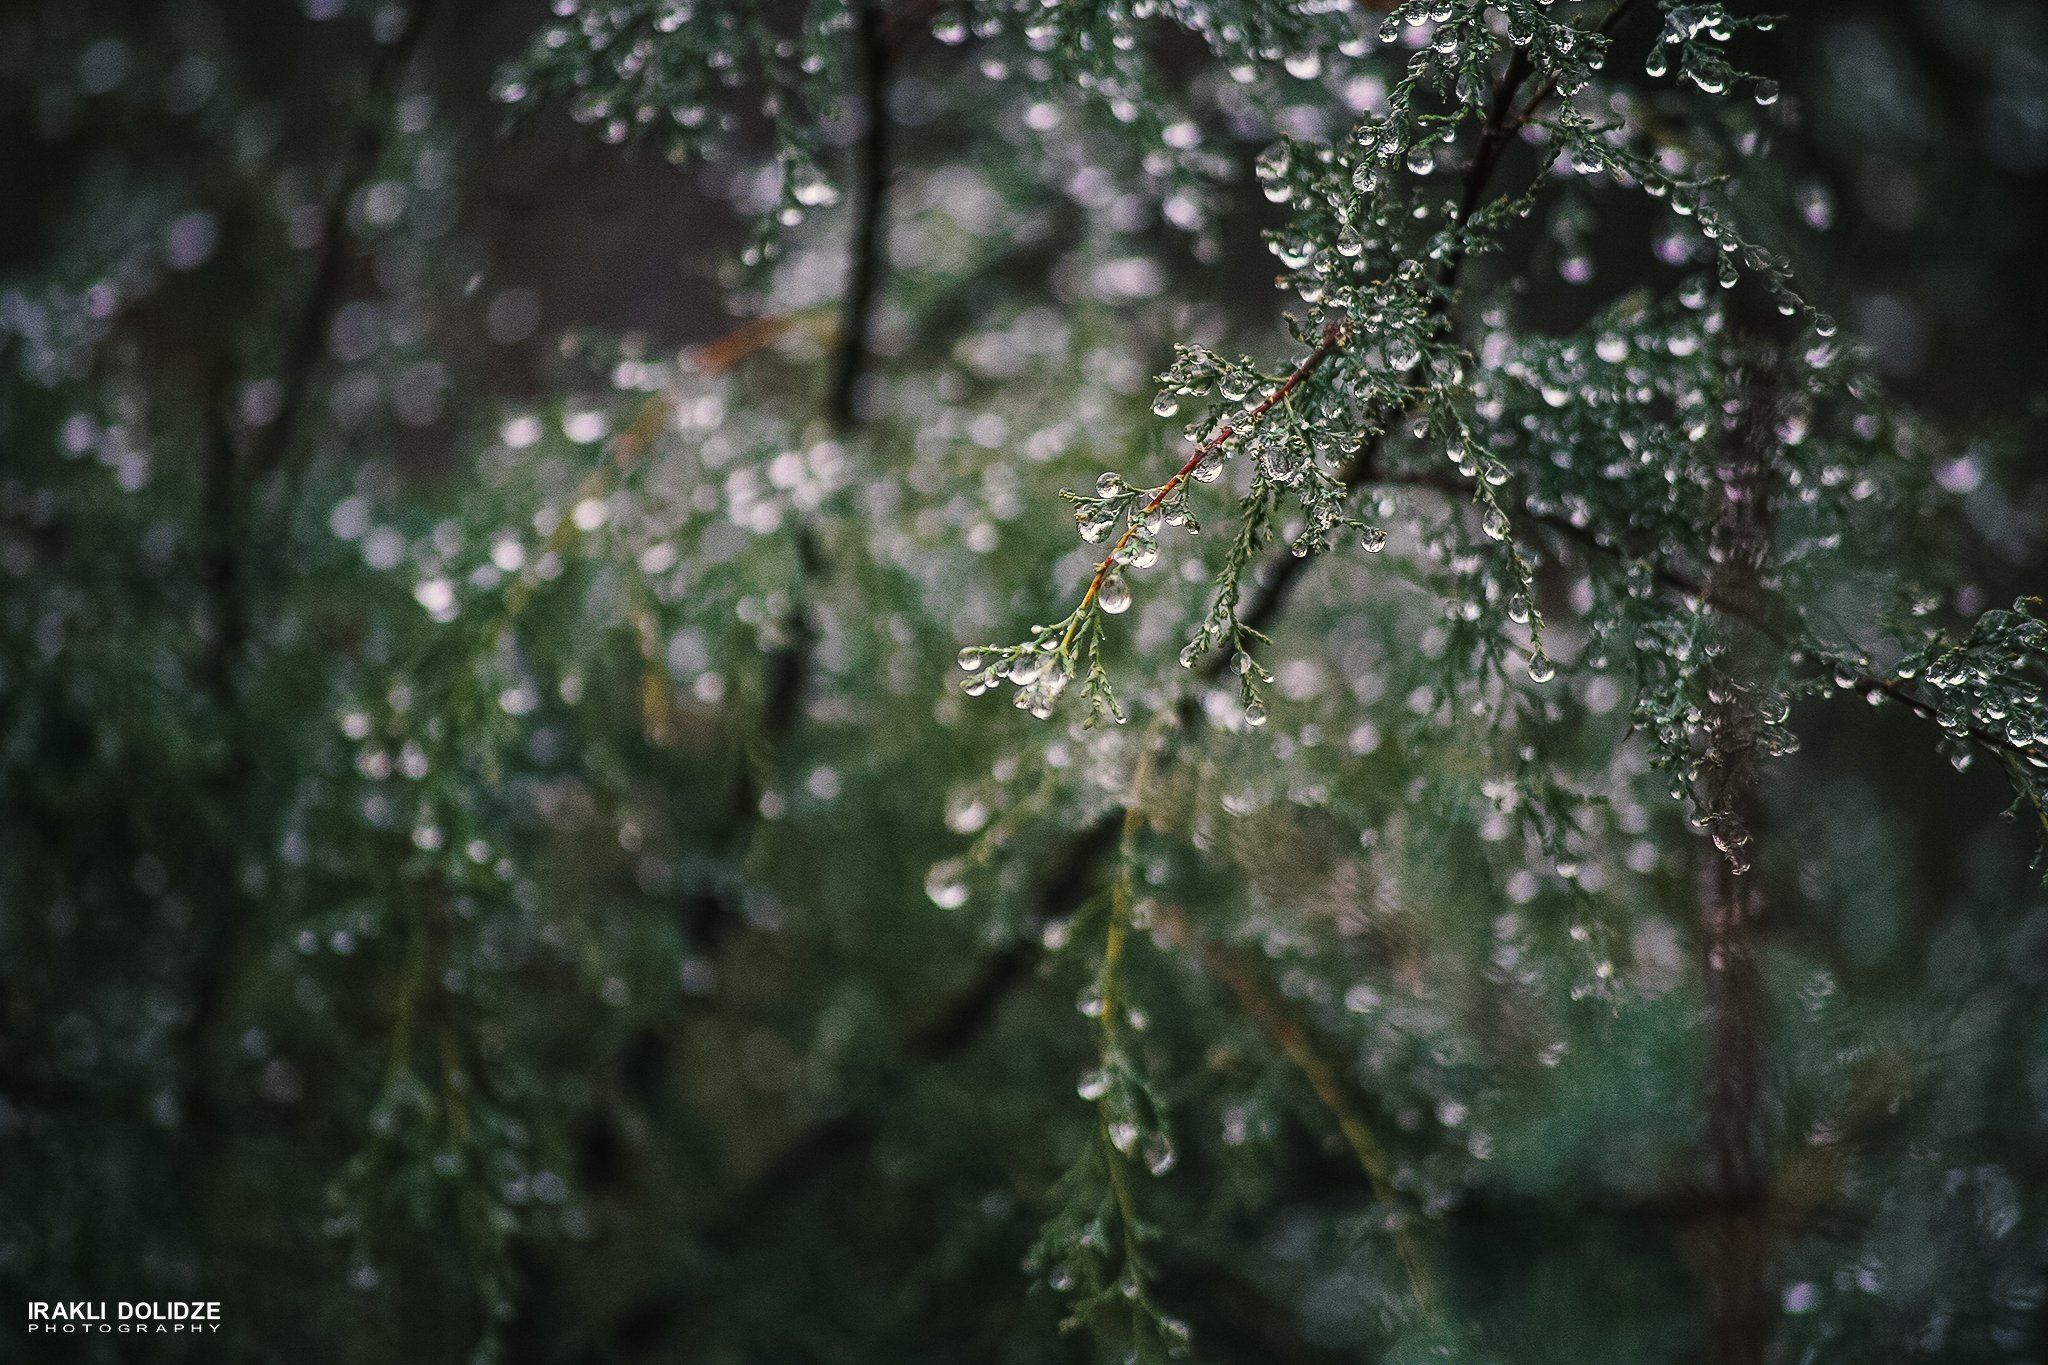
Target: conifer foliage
[[550, 878]]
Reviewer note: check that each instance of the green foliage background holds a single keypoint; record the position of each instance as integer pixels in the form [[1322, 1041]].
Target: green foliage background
[[497, 863]]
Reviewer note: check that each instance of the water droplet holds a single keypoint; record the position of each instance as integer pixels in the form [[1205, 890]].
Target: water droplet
[[1115, 596], [1159, 1154], [944, 886]]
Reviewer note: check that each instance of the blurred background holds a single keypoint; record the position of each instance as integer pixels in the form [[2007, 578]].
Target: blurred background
[[493, 863]]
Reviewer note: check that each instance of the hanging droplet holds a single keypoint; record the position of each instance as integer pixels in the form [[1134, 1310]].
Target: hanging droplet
[[1209, 468], [1115, 596], [1159, 1154], [1541, 669]]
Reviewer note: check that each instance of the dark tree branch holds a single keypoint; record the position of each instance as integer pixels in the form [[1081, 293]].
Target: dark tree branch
[[306, 342], [715, 912], [224, 572], [1730, 902], [786, 668], [953, 1028], [865, 264]]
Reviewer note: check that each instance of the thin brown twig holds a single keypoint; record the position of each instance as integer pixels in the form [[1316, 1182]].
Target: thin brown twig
[[1333, 340]]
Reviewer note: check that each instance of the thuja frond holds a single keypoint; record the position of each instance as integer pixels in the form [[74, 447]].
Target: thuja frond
[[1042, 668]]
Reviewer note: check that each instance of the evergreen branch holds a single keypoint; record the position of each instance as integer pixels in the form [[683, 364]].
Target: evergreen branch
[[1544, 92], [1042, 668], [1758, 615], [1123, 1104], [785, 667], [1334, 339], [1277, 576]]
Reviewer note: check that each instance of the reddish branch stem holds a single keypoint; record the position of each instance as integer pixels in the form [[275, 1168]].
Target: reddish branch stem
[[1334, 337]]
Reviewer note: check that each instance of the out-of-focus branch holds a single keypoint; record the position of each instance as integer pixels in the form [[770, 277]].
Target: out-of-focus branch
[[223, 493], [220, 938], [306, 342], [954, 1027], [1730, 902], [1258, 1003], [868, 245], [215, 940]]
